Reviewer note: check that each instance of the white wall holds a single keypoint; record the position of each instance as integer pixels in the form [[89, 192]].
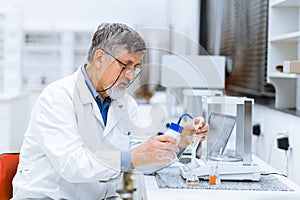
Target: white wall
[[90, 13], [153, 19], [273, 122], [14, 118], [86, 15]]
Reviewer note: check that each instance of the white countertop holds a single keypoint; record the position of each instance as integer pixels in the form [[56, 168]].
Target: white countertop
[[151, 191]]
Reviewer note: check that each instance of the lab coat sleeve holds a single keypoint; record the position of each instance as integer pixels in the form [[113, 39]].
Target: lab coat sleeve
[[54, 125]]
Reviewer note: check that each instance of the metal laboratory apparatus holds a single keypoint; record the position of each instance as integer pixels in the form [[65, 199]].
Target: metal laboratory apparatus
[[235, 163]]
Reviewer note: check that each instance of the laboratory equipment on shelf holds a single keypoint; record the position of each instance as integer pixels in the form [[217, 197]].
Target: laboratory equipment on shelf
[[234, 164]]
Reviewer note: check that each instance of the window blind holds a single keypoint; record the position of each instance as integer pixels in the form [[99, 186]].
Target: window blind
[[238, 29]]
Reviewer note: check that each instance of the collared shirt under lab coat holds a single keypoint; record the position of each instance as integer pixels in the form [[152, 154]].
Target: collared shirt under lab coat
[[67, 152]]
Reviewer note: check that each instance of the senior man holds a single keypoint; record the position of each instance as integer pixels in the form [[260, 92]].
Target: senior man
[[74, 146]]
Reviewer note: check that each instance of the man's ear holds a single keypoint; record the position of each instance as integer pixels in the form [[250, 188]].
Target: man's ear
[[98, 57]]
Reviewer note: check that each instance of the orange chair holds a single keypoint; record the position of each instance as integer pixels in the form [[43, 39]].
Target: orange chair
[[8, 168]]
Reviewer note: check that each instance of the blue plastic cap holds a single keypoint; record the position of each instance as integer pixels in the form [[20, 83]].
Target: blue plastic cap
[[176, 127]]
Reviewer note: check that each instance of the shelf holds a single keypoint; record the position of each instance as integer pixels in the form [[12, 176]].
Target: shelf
[[38, 48], [42, 38], [41, 66], [282, 75], [82, 40], [284, 3], [284, 41], [287, 37]]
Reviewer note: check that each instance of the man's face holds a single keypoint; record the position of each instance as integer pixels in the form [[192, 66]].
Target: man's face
[[119, 73]]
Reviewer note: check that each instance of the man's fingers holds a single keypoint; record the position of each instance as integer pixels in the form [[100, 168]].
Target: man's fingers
[[203, 129], [164, 142], [166, 145], [170, 146], [200, 122], [166, 138]]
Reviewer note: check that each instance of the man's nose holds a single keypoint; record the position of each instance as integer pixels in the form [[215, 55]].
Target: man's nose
[[129, 74]]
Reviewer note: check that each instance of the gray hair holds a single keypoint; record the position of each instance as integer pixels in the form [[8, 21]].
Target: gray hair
[[114, 37]]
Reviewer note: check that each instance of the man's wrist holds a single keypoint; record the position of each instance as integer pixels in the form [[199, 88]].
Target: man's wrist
[[183, 143], [126, 161]]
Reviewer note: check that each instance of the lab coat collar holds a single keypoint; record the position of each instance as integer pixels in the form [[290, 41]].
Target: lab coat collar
[[84, 92]]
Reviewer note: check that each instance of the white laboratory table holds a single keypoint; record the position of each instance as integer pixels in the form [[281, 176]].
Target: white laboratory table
[[151, 191]]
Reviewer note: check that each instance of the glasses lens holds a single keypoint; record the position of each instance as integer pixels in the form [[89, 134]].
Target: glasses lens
[[137, 71]]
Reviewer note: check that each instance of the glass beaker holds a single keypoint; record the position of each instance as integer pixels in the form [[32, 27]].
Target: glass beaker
[[193, 179]]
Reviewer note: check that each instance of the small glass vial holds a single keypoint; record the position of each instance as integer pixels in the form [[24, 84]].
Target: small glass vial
[[218, 180], [214, 177]]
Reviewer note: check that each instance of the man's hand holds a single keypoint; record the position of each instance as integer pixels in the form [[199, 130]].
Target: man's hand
[[158, 149], [196, 126]]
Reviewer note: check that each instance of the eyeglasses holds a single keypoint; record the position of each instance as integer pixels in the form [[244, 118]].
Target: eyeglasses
[[136, 69]]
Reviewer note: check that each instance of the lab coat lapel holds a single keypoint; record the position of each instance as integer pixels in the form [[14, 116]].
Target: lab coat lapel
[[87, 97], [115, 113], [90, 133]]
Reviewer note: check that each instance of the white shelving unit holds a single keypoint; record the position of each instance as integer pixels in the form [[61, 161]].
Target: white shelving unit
[[10, 51], [284, 44], [2, 17], [41, 57], [13, 105], [51, 54], [82, 40]]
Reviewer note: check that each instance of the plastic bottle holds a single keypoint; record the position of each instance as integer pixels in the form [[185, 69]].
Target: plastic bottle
[[174, 131]]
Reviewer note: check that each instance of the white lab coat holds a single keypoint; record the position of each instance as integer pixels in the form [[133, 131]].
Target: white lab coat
[[67, 152]]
